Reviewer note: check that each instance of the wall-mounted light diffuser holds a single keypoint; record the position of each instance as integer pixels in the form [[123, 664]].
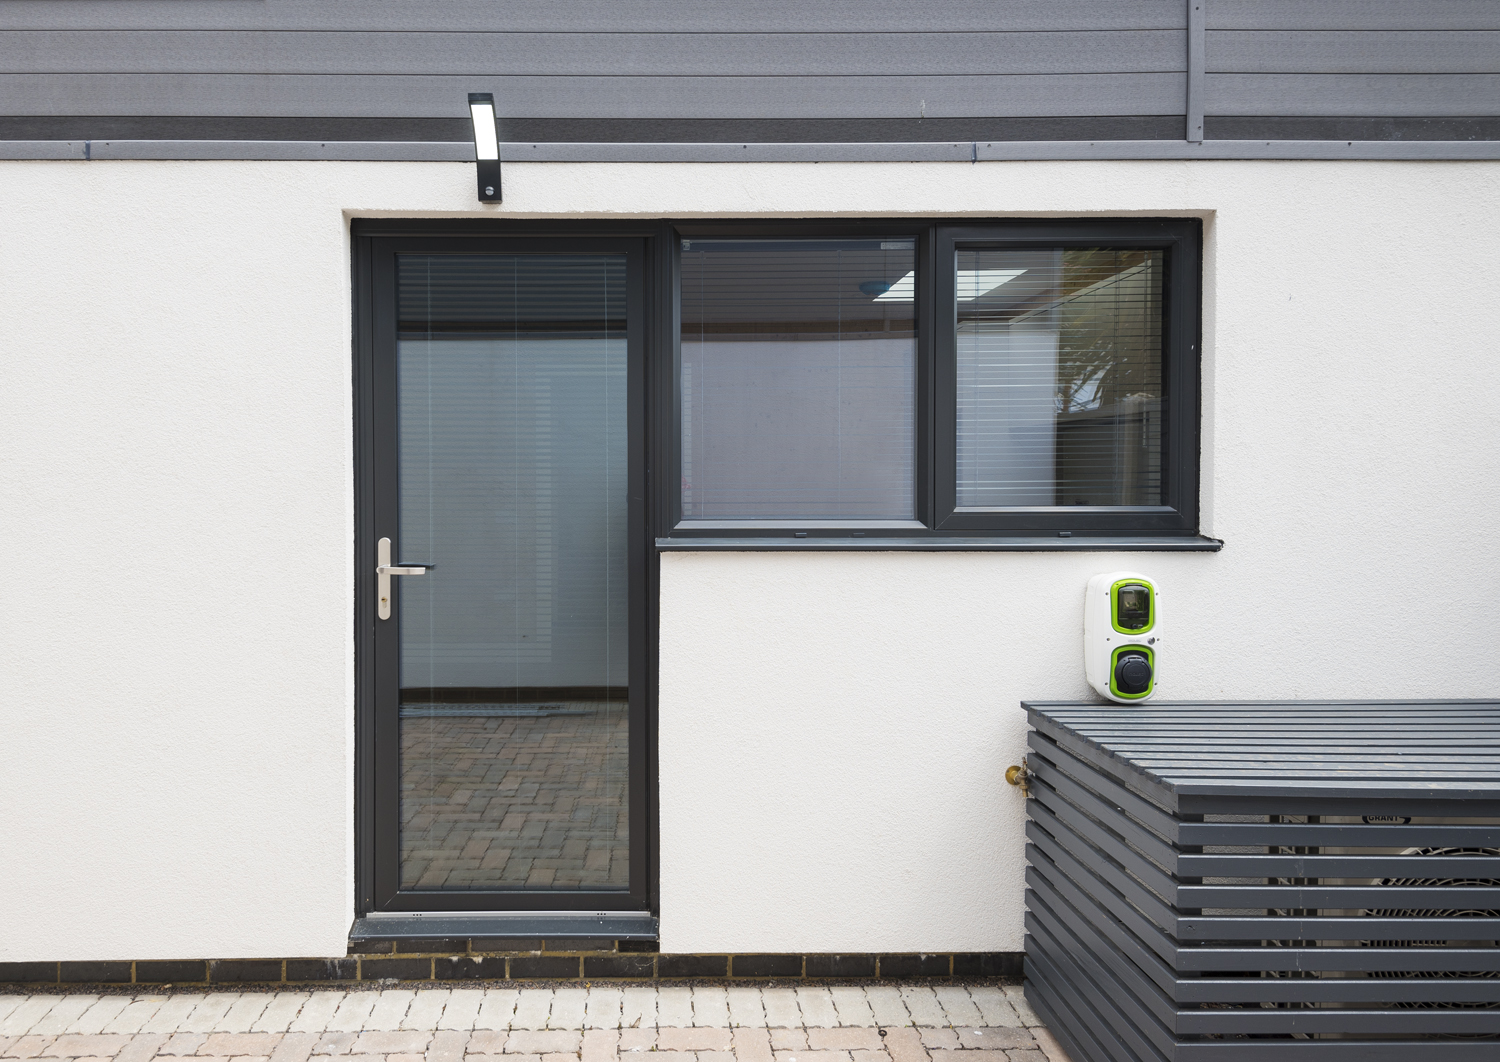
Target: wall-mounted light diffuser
[[486, 145]]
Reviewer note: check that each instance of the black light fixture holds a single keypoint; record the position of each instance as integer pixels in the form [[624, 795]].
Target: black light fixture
[[486, 145]]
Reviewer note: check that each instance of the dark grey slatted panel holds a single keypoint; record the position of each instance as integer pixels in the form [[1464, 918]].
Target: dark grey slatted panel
[[1336, 866], [1364, 1022], [1095, 1010], [1340, 94], [1115, 918], [649, 16], [1329, 834], [1095, 848], [1156, 1011], [1107, 900], [1061, 1008], [1046, 880], [1069, 939], [1354, 14], [1149, 981], [1337, 990], [1232, 1050], [592, 97], [1351, 52], [1094, 845], [1332, 897], [1061, 795], [591, 54], [1193, 929], [1338, 960], [1142, 797], [1125, 1016]]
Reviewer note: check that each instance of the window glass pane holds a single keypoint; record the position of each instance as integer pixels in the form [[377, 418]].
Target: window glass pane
[[798, 379], [1059, 377]]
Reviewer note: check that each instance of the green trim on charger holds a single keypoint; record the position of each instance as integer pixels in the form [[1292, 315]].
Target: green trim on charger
[[1114, 658], [1114, 605]]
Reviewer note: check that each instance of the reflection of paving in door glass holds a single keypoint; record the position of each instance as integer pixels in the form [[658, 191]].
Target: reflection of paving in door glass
[[493, 800]]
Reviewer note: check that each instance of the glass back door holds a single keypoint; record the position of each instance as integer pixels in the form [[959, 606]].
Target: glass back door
[[508, 693]]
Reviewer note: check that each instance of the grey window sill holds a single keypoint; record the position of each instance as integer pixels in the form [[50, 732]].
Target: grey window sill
[[1078, 543]]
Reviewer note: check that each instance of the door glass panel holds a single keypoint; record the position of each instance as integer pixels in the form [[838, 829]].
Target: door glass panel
[[513, 472]]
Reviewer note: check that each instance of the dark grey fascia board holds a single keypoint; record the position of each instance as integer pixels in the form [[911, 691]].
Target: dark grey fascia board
[[1035, 151]]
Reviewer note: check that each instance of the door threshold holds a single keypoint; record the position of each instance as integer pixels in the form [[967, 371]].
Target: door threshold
[[397, 925]]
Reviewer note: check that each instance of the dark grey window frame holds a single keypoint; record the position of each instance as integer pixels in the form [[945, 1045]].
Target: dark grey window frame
[[939, 525], [654, 507], [1179, 239]]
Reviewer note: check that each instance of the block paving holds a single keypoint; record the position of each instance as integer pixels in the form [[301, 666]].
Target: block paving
[[886, 1023], [506, 802]]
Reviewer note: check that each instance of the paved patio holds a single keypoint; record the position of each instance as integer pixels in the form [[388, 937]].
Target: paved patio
[[948, 1023]]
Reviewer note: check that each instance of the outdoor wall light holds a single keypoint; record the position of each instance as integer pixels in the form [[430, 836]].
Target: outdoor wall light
[[486, 145]]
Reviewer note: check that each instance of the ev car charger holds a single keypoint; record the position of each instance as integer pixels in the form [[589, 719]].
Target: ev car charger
[[1122, 635]]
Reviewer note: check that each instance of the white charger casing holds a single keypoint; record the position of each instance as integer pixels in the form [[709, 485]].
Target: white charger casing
[[1102, 638]]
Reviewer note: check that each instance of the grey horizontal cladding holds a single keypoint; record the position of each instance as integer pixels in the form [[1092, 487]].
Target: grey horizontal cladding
[[962, 152], [1353, 52], [315, 95], [1386, 95], [552, 16], [1354, 14], [574, 54]]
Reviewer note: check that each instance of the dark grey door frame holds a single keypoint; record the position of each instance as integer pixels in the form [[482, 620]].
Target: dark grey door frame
[[377, 793]]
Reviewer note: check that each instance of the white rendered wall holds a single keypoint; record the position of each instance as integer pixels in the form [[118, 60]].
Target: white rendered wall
[[176, 692]]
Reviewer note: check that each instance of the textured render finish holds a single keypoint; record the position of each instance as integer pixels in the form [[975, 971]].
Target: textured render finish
[[177, 465], [175, 441]]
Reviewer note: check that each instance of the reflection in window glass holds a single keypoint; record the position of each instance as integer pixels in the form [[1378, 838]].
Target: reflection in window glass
[[798, 379], [1059, 377]]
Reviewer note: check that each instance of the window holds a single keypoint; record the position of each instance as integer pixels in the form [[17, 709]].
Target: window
[[1016, 384], [798, 380]]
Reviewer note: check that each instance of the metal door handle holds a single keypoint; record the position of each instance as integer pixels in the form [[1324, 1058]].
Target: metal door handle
[[384, 569]]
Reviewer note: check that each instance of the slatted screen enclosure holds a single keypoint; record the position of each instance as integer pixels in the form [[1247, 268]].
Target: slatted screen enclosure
[[1266, 881]]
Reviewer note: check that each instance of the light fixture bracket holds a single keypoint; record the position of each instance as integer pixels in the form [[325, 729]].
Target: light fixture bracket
[[486, 145]]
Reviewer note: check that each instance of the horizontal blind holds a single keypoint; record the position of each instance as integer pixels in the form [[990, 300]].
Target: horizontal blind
[[1060, 398], [513, 470], [798, 379]]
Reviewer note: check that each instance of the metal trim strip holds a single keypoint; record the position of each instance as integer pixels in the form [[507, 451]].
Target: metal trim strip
[[955, 151]]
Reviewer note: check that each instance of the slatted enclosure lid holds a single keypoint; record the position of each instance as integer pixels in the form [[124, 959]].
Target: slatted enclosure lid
[[1180, 755]]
